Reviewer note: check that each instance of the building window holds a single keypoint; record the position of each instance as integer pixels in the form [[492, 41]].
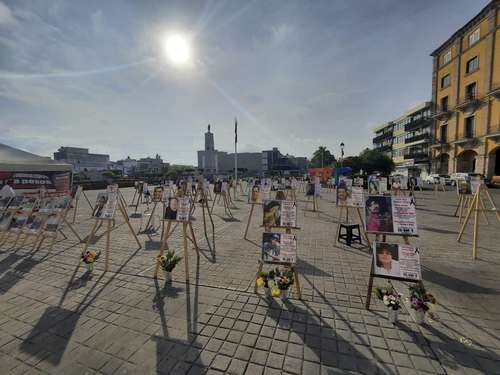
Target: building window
[[444, 104], [474, 37], [472, 65], [447, 57], [470, 91], [445, 81], [444, 134], [469, 127]]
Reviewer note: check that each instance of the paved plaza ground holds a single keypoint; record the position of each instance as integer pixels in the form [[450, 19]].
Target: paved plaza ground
[[56, 319]]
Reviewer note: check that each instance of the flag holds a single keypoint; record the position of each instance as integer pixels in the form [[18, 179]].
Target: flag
[[235, 130]]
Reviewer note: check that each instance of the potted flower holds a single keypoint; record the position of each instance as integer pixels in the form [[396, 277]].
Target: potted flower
[[284, 280], [419, 301], [89, 257], [167, 263], [266, 279], [391, 299]]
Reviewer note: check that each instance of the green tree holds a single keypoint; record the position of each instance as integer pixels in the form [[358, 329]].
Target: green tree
[[322, 157], [375, 161]]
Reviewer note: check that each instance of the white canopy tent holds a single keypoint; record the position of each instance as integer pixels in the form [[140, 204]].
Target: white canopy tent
[[15, 160]]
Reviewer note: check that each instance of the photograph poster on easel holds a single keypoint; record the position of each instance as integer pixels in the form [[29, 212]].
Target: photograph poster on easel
[[105, 206], [158, 194], [280, 213], [255, 197], [279, 248], [463, 187], [399, 182], [349, 195], [55, 204], [373, 184], [399, 261], [178, 209], [475, 182], [310, 189], [390, 215]]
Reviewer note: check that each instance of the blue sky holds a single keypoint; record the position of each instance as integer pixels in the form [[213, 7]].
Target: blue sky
[[297, 74]]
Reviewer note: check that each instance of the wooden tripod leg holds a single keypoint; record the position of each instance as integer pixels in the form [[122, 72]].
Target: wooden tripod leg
[[492, 202], [339, 221], [459, 204], [108, 238], [125, 216], [88, 201], [469, 212], [72, 229], [193, 237], [259, 270], [185, 245], [370, 288], [91, 235], [476, 225], [75, 209], [297, 282], [213, 204], [164, 238], [150, 217], [362, 225], [483, 211], [249, 219]]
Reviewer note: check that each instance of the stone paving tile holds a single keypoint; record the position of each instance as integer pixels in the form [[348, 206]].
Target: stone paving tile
[[56, 319]]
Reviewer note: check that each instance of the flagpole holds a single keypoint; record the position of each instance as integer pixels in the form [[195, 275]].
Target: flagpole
[[235, 155]]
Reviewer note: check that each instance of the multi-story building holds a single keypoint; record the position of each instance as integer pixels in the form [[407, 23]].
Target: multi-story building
[[81, 159], [407, 139], [465, 94], [151, 165], [212, 161]]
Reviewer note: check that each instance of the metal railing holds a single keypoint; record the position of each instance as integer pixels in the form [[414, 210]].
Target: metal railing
[[417, 138]]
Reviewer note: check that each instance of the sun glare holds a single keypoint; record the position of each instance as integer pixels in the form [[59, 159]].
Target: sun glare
[[177, 49]]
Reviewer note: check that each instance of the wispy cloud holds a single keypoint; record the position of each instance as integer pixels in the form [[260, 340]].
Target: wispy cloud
[[6, 16]]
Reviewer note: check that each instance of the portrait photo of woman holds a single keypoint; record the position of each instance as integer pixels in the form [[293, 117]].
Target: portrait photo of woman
[[171, 209], [378, 211], [272, 214], [255, 195], [387, 259], [102, 198]]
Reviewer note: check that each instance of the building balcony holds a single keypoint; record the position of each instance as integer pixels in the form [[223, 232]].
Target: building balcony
[[382, 137], [442, 113], [467, 140], [417, 156], [417, 124], [493, 132], [420, 137], [383, 148], [469, 102], [495, 91], [441, 143]]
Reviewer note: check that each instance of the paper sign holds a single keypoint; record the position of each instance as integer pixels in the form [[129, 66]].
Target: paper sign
[[397, 261], [279, 248]]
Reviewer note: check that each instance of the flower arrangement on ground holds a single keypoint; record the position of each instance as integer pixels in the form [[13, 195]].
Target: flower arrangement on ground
[[167, 263], [389, 296], [420, 300], [391, 299], [276, 282], [89, 257]]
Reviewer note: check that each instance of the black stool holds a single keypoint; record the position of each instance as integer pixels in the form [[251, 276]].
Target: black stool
[[349, 236]]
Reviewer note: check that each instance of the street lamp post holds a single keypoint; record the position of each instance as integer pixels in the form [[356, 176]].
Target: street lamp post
[[342, 156]]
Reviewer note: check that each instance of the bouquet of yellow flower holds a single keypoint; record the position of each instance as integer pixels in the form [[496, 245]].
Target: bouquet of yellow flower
[[89, 257]]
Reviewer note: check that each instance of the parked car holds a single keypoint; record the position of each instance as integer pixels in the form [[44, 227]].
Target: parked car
[[434, 178], [458, 176], [431, 178]]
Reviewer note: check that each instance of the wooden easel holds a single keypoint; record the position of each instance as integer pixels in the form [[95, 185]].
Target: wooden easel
[[463, 205], [343, 217], [292, 266], [314, 201], [373, 275], [76, 200], [100, 221], [436, 188], [474, 207], [250, 218], [167, 233], [149, 227], [224, 196]]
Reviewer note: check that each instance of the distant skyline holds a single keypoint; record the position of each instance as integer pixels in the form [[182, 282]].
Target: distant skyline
[[296, 74]]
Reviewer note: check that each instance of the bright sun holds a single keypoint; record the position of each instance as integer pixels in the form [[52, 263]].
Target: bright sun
[[177, 49]]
